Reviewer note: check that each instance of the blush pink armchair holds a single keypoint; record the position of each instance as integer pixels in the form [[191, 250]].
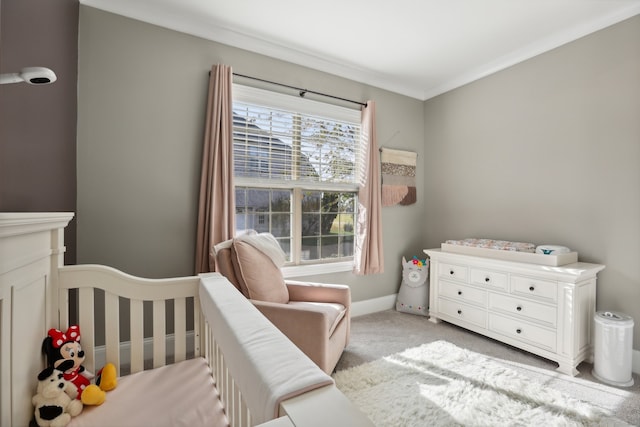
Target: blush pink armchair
[[314, 316]]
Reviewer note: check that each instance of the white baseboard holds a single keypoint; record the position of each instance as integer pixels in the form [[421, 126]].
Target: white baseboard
[[635, 362], [125, 350], [360, 308]]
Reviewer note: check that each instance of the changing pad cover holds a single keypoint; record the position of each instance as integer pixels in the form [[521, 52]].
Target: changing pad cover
[[495, 244]]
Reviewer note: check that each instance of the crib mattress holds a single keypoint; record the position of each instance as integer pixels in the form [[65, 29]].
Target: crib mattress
[[180, 394]]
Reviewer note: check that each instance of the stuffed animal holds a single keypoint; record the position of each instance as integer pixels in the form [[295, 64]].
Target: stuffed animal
[[55, 402], [64, 353], [413, 296]]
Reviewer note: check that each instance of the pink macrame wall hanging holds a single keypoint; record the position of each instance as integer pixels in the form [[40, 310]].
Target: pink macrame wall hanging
[[398, 177]]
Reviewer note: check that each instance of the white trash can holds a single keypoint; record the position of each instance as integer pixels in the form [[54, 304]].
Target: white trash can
[[613, 348]]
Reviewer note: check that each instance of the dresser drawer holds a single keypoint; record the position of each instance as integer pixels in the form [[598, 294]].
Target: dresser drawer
[[492, 279], [463, 312], [525, 308], [545, 290], [452, 271], [523, 331], [463, 293]]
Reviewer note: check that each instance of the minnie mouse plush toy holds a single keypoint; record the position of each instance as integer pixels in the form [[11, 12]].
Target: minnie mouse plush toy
[[64, 353]]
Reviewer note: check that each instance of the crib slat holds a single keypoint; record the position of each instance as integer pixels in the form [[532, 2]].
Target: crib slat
[[229, 408], [112, 329], [236, 405], [228, 393], [63, 302], [137, 335], [198, 329], [207, 346], [180, 329], [246, 415], [159, 334], [220, 379], [5, 365], [87, 327]]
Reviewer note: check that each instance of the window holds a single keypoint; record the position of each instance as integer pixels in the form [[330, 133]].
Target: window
[[296, 164]]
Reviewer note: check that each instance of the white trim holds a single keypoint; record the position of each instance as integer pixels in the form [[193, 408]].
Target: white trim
[[276, 100], [14, 223], [374, 305], [314, 269], [243, 181], [635, 362]]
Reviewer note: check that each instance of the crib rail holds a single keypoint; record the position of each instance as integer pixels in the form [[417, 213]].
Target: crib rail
[[108, 304], [139, 324], [231, 397]]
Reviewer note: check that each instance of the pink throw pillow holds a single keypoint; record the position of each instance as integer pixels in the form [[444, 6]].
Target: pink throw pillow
[[258, 274]]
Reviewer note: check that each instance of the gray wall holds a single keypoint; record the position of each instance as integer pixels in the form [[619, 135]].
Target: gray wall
[[547, 151], [142, 93], [38, 123]]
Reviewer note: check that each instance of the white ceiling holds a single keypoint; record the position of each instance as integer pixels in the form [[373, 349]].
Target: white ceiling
[[418, 48]]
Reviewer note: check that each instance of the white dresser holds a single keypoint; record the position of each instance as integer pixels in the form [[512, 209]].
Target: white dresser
[[542, 309]]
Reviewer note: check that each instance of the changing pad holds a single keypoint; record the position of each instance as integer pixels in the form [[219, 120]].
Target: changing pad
[[503, 245]]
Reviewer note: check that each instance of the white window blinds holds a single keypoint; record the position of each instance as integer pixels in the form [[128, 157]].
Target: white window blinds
[[287, 139]]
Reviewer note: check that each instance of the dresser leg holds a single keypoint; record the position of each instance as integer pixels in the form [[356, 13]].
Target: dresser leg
[[567, 368], [434, 319]]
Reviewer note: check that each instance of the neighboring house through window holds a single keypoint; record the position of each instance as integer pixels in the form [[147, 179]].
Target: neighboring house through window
[[296, 163]]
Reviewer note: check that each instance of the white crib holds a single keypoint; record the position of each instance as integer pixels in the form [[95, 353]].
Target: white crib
[[189, 351]]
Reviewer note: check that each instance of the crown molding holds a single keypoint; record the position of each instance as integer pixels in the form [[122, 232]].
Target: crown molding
[[207, 28], [527, 52]]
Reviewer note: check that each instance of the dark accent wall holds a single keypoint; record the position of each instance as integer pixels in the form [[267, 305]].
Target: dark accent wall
[[38, 123]]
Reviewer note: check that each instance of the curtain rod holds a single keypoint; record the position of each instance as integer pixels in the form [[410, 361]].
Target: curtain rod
[[302, 92]]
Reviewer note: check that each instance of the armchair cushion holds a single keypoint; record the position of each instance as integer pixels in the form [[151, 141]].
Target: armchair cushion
[[257, 273]]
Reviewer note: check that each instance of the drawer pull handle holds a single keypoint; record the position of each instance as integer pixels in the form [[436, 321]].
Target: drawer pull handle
[[451, 272], [459, 311], [532, 288], [519, 308], [519, 331], [459, 292], [487, 279]]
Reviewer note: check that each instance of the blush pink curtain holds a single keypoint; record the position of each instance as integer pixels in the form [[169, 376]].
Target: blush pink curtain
[[368, 254], [216, 219]]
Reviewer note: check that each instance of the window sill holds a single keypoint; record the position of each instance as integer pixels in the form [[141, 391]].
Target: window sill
[[314, 269]]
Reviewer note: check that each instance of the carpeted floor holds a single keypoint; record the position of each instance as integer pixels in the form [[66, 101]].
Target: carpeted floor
[[384, 333]]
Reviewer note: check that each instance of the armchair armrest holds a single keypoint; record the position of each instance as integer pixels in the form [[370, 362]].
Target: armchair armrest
[[319, 292], [307, 327], [291, 318]]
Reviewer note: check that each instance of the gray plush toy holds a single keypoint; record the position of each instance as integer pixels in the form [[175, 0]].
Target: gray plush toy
[[413, 296]]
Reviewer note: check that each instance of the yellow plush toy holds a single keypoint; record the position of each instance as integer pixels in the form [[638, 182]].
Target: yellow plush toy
[[55, 402]]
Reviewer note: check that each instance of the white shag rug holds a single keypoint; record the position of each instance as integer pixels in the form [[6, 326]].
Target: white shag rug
[[439, 384]]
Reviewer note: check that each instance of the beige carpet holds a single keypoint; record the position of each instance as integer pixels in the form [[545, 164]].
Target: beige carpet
[[381, 334]]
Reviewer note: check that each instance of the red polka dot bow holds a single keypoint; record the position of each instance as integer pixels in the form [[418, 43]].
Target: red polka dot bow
[[58, 337]]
